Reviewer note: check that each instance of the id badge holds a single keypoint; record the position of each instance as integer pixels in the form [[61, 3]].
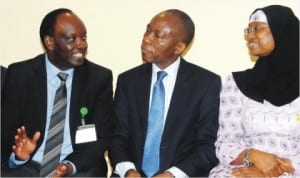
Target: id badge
[[85, 133]]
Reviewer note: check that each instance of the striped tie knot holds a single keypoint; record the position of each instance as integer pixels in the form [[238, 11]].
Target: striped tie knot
[[62, 76]]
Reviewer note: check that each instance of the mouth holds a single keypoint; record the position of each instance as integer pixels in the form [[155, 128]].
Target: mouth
[[78, 55], [146, 54], [77, 58], [251, 45], [146, 50]]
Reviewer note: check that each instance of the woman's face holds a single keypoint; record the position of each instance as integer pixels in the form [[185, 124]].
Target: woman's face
[[260, 41]]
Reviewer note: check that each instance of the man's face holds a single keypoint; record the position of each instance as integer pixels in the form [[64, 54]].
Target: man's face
[[161, 40], [68, 45]]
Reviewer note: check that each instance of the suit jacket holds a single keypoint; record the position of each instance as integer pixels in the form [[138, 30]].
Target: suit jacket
[[191, 124], [3, 74], [25, 103]]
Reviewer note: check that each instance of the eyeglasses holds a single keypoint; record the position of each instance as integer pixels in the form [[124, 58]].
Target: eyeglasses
[[254, 30]]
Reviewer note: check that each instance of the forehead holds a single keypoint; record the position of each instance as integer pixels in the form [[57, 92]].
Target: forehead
[[258, 24], [69, 22], [165, 20]]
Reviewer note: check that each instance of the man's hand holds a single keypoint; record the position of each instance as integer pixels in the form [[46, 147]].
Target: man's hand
[[63, 169], [247, 172], [132, 173], [24, 146], [164, 174]]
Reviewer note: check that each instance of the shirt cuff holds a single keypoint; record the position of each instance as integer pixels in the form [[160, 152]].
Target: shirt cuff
[[13, 163], [73, 165], [177, 172], [123, 167]]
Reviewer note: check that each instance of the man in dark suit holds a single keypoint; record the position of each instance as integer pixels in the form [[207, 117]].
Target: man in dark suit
[[29, 95], [191, 106]]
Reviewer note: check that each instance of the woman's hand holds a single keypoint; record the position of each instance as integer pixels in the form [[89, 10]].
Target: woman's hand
[[246, 172], [286, 165], [269, 164]]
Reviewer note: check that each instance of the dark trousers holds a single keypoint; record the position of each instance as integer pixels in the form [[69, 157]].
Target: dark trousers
[[32, 169]]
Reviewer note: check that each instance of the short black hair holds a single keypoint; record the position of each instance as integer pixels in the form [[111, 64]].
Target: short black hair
[[186, 22], [48, 23]]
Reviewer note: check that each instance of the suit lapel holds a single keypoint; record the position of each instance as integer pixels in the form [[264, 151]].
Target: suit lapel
[[78, 83], [143, 95], [177, 101]]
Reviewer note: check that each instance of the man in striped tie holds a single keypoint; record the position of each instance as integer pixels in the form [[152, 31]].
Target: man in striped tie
[[42, 99]]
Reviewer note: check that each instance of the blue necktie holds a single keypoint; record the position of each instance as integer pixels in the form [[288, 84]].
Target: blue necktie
[[150, 163]]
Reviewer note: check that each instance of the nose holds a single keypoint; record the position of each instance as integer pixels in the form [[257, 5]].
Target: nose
[[249, 36], [81, 43], [148, 37]]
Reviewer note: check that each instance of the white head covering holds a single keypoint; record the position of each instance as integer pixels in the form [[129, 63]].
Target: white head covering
[[258, 16]]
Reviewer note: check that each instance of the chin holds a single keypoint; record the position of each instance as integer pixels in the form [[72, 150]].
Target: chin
[[148, 60], [254, 53], [254, 58], [77, 62], [72, 65]]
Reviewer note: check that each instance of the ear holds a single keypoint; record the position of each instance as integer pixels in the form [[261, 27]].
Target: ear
[[180, 47], [49, 42]]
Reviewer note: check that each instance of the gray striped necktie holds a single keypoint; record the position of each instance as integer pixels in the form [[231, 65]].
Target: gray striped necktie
[[56, 130]]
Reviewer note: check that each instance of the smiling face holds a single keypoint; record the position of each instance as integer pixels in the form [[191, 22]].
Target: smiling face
[[260, 41], [162, 41], [67, 47]]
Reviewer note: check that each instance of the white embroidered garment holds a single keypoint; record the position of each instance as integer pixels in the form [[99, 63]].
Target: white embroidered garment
[[245, 123]]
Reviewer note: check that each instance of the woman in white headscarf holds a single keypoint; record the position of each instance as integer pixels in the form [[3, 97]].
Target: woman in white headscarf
[[259, 132]]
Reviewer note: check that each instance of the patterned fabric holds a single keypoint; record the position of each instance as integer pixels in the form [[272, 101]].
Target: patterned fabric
[[56, 130], [245, 123]]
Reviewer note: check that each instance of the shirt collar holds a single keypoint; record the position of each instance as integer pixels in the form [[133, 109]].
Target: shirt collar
[[171, 69], [52, 70]]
